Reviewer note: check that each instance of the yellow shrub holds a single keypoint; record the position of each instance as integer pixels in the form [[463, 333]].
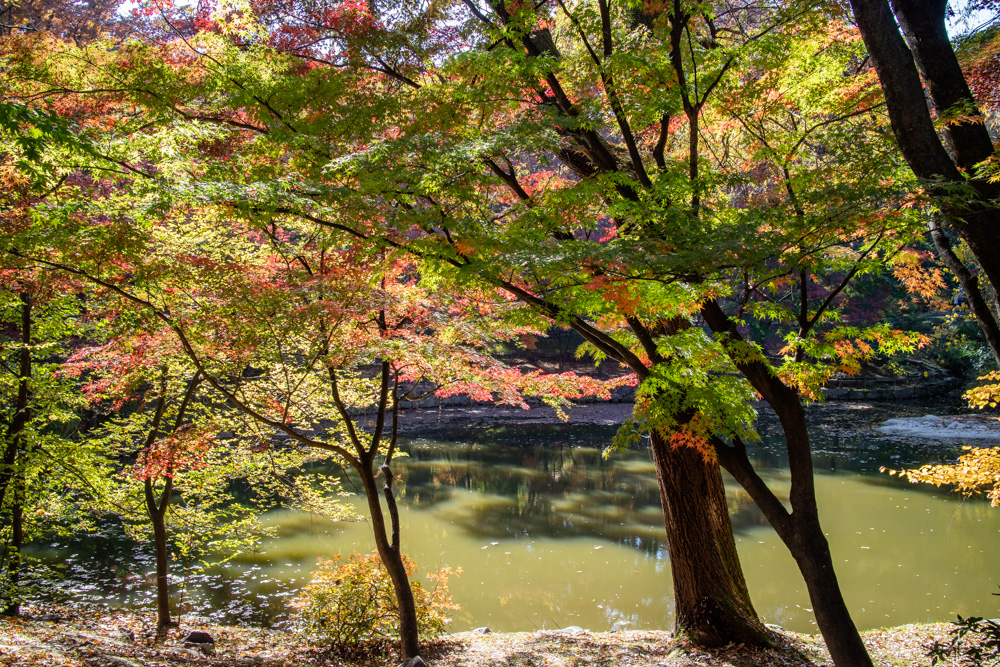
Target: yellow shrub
[[352, 602]]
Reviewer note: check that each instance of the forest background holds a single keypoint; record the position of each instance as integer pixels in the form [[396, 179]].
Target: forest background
[[238, 235]]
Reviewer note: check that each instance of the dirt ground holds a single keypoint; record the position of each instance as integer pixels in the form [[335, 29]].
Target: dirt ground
[[101, 638]]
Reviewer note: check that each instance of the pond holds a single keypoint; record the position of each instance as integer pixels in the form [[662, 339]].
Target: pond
[[550, 534]]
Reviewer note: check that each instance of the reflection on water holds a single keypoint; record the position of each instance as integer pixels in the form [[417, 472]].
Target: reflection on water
[[551, 534]]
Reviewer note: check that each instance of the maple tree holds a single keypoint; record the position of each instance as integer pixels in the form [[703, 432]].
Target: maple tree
[[79, 21], [179, 471], [299, 332], [44, 472], [605, 164], [589, 286]]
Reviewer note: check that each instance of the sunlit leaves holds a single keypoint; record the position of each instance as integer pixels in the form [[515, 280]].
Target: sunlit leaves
[[976, 471]]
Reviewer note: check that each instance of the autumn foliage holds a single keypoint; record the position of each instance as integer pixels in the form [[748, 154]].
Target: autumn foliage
[[350, 602]]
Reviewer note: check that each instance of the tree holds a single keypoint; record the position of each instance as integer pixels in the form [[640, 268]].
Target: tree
[[44, 472], [81, 21], [178, 455], [302, 333], [956, 172], [499, 147]]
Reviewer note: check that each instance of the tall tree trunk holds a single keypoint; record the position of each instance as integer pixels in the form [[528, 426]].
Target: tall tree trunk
[[712, 604], [923, 25], [799, 529], [812, 554], [975, 216], [10, 477]]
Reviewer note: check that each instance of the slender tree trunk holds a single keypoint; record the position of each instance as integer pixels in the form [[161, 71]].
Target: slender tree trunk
[[712, 604], [970, 285], [812, 555], [158, 518], [810, 549], [14, 551], [162, 582], [10, 477], [799, 529], [389, 552]]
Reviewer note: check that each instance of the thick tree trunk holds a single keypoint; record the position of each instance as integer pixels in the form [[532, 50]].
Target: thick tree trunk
[[711, 600], [10, 478], [975, 216], [389, 552], [923, 24]]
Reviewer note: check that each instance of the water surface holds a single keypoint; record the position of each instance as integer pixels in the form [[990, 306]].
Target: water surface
[[549, 534]]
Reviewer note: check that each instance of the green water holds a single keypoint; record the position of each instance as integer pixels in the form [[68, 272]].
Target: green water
[[550, 534]]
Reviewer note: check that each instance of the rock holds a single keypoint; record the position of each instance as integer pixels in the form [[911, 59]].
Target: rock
[[415, 661], [203, 648], [482, 631], [198, 637], [569, 630], [200, 642], [931, 427], [189, 652]]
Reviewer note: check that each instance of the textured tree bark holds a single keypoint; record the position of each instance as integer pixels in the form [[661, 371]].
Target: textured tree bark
[[712, 604], [923, 25], [968, 204]]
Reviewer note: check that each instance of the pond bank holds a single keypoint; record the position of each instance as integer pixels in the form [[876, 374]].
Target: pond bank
[[86, 637]]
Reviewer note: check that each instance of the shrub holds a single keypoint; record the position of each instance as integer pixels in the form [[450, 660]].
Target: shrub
[[973, 641], [351, 602]]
